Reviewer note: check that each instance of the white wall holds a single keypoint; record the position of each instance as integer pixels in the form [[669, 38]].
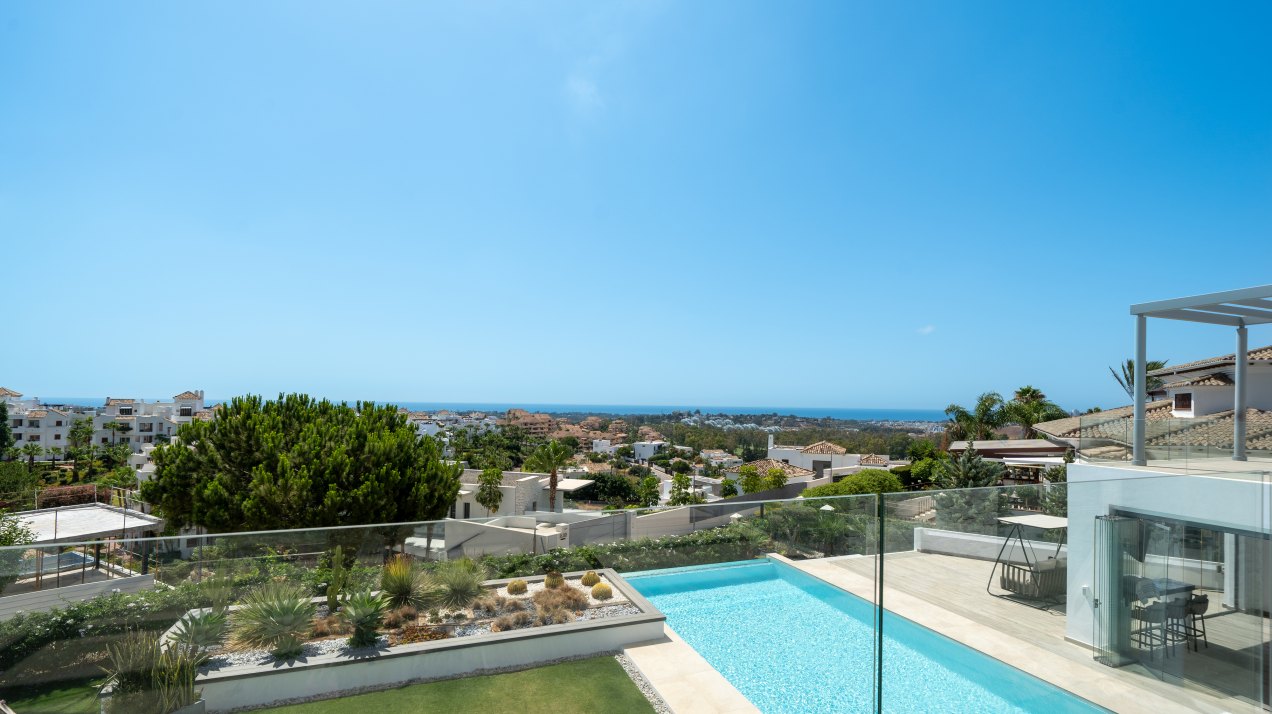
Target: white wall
[[1230, 502]]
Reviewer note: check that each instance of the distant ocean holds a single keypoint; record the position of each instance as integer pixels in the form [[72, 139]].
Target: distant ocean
[[810, 412]]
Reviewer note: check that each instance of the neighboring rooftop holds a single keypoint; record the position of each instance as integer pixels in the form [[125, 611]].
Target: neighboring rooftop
[[6, 392], [69, 524], [763, 466], [1259, 354], [1072, 427], [824, 447]]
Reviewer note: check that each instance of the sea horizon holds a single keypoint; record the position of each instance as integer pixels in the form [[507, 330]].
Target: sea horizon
[[845, 413]]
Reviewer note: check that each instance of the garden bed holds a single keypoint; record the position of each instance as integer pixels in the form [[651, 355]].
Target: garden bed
[[497, 630]]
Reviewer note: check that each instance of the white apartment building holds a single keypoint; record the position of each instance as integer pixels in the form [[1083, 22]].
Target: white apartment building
[[646, 450], [137, 422]]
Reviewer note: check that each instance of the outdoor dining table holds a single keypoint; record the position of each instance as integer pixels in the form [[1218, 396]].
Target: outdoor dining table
[[1170, 586]]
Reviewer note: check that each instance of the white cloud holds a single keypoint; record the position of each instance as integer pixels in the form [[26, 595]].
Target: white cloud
[[926, 329]]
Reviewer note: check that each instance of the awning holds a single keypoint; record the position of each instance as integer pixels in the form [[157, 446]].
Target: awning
[[569, 484]]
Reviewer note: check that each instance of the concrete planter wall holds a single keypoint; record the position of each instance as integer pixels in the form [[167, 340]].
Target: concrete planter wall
[[328, 675]]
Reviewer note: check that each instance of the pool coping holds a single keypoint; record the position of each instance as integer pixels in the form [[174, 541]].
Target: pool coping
[[1096, 687], [685, 680]]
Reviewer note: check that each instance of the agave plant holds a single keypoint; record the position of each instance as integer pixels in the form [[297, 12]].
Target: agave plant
[[364, 612], [458, 583], [275, 616], [201, 629]]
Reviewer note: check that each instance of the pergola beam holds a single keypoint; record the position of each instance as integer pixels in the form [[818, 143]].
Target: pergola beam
[[1195, 316], [1237, 310], [1237, 296]]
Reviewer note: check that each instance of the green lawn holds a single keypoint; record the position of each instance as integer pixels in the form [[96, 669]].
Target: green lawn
[[581, 687], [78, 698]]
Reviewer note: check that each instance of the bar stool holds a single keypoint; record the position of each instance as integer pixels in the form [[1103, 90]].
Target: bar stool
[[1151, 633], [1195, 622]]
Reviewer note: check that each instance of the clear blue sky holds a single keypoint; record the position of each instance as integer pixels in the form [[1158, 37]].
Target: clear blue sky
[[720, 203]]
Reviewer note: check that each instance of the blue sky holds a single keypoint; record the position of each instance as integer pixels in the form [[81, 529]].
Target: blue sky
[[739, 203]]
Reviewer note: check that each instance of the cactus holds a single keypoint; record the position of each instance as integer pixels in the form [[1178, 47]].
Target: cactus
[[517, 587], [338, 580], [590, 578], [602, 591], [553, 580]]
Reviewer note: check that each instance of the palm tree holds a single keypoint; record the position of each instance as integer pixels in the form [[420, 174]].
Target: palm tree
[[1030, 406], [549, 459], [54, 452], [31, 450], [979, 422], [113, 427], [1126, 380], [1029, 393]]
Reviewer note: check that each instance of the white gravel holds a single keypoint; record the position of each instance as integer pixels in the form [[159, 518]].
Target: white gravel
[[638, 678], [310, 649]]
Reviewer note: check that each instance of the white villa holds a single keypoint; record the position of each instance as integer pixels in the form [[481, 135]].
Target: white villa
[[822, 457]]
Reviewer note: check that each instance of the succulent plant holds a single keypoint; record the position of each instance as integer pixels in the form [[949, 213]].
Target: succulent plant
[[602, 591], [517, 587], [275, 616], [201, 629], [590, 578], [365, 613]]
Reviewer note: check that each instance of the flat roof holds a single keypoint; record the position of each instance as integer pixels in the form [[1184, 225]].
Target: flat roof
[[572, 484], [86, 522]]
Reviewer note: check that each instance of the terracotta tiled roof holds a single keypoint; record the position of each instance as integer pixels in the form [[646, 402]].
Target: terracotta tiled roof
[[1215, 430], [6, 392], [204, 415], [187, 394], [824, 447], [37, 414], [873, 460], [763, 465], [113, 402], [1215, 379], [1110, 423], [1260, 354]]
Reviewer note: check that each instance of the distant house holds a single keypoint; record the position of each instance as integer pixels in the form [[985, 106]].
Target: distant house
[[817, 457], [646, 450], [794, 474], [523, 492], [720, 458]]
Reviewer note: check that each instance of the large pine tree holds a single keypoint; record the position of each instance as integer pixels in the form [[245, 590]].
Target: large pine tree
[[296, 462]]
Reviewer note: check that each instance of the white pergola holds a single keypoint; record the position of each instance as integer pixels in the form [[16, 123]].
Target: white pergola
[[1234, 308]]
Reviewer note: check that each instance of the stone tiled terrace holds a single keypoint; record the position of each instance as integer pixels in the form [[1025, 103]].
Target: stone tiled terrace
[[948, 595]]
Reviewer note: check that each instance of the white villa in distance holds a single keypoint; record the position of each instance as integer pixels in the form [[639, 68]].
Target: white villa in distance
[[823, 457]]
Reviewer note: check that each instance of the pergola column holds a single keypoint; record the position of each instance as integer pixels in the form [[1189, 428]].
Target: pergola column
[[1141, 389], [1239, 399]]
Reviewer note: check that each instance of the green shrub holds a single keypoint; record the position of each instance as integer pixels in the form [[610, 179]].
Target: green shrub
[[365, 613], [590, 578], [602, 591], [201, 629], [458, 583], [553, 580], [517, 587], [862, 482], [275, 616]]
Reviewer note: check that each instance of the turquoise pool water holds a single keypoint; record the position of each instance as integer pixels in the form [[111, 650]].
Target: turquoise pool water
[[793, 644]]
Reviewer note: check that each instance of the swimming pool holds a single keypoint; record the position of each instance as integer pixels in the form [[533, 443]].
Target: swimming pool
[[794, 644]]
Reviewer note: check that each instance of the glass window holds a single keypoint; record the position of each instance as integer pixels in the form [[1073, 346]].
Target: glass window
[[1183, 402]]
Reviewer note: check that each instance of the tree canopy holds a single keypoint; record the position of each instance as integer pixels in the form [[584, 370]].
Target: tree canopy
[[296, 462]]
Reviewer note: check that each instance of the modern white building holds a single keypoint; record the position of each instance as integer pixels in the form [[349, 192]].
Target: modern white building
[[523, 492], [720, 458], [646, 450], [1170, 506]]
